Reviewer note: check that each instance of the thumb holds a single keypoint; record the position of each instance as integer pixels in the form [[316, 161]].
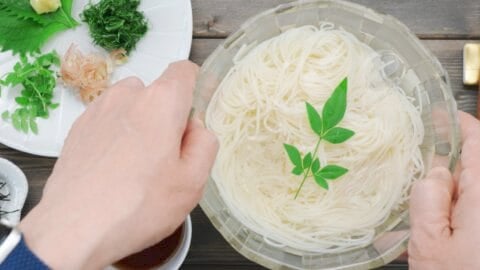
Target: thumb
[[199, 148], [430, 207]]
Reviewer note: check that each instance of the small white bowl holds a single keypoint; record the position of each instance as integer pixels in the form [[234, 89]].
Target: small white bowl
[[177, 259], [16, 187]]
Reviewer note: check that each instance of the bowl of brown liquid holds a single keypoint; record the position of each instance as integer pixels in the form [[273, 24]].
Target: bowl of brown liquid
[[169, 254]]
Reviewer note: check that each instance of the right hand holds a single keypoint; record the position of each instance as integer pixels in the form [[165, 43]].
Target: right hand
[[131, 169], [445, 210]]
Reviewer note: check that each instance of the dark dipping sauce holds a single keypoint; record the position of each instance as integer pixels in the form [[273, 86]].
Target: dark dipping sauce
[[153, 256]]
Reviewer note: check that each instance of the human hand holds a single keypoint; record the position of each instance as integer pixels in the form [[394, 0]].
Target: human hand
[[131, 170], [444, 210]]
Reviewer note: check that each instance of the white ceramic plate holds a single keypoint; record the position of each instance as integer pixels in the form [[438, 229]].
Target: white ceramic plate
[[168, 39]]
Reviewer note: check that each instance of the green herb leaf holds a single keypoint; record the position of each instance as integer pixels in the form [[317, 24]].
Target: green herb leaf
[[325, 127], [321, 181], [335, 107], [294, 155], [22, 100], [297, 171], [22, 10], [338, 135], [115, 24], [23, 31], [16, 122], [332, 172], [35, 98], [24, 124], [5, 115], [307, 160], [33, 126], [314, 119], [24, 36], [315, 166]]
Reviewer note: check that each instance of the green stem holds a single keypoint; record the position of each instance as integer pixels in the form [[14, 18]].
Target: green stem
[[44, 103], [309, 168], [71, 22]]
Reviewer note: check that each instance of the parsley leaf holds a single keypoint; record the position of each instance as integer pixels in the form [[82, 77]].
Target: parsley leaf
[[35, 99]]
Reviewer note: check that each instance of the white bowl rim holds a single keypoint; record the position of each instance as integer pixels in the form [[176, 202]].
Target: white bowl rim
[[177, 259]]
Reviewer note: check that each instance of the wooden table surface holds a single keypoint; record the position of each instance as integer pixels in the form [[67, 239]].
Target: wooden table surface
[[443, 25]]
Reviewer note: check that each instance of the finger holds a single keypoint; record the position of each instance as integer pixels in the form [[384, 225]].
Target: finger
[[184, 71], [470, 128], [176, 86], [172, 94], [465, 214], [430, 205], [199, 149]]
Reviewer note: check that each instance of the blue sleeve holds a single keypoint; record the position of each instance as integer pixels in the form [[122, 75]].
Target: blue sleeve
[[22, 258]]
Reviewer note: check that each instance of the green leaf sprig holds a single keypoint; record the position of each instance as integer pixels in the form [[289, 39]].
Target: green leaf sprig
[[35, 99], [325, 126], [24, 31]]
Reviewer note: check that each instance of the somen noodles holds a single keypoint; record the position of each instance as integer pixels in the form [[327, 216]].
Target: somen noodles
[[260, 105]]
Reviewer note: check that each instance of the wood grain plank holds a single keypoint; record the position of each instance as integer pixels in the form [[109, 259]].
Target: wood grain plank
[[440, 19], [450, 54]]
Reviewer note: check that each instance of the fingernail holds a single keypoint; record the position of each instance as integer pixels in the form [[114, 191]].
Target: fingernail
[[441, 173]]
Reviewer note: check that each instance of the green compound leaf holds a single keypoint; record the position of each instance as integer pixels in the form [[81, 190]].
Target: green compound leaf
[[35, 99], [325, 127]]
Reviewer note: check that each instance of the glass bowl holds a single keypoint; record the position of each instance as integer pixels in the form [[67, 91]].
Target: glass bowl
[[411, 66]]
